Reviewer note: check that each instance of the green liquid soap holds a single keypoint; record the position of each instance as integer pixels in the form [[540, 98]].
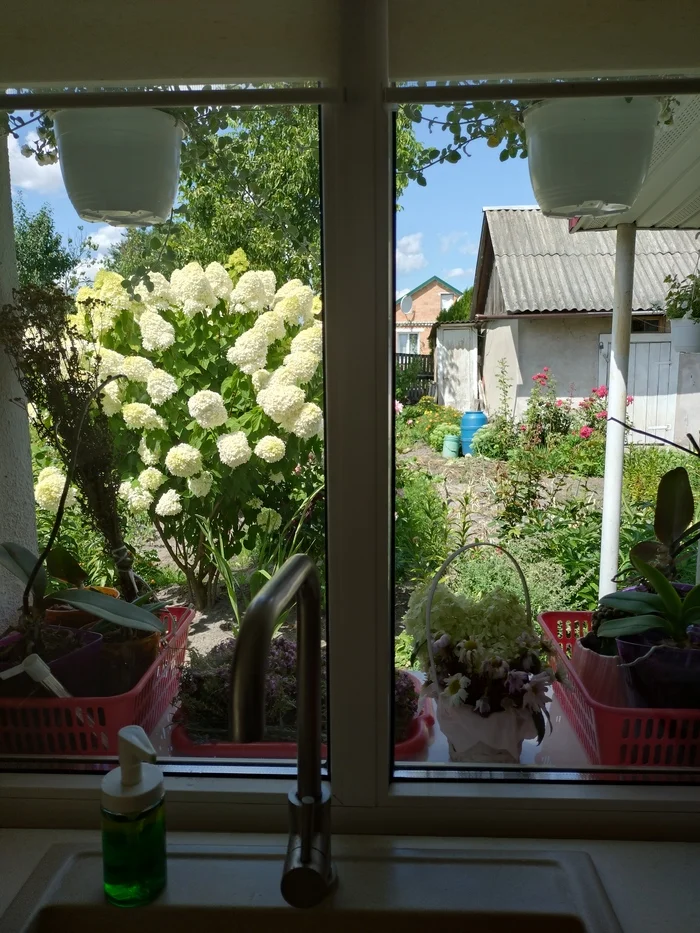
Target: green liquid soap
[[133, 847]]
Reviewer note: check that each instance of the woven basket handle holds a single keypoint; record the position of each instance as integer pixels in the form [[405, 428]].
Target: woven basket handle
[[436, 579]]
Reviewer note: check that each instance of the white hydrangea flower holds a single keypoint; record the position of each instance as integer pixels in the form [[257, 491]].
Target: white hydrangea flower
[[260, 378], [234, 449], [250, 293], [111, 398], [125, 490], [268, 519], [110, 362], [93, 317], [148, 456], [309, 340], [302, 364], [138, 415], [110, 289], [282, 377], [220, 280], [276, 478], [160, 386], [281, 402], [136, 368], [139, 499], [169, 504], [317, 305], [156, 332], [200, 486], [151, 479], [289, 288], [191, 289], [49, 489], [160, 296], [308, 423], [207, 409], [295, 304], [249, 352], [255, 503], [270, 448], [271, 325], [269, 284], [183, 460]]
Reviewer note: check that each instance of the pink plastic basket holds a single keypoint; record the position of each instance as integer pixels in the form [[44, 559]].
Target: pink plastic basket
[[89, 725], [614, 735]]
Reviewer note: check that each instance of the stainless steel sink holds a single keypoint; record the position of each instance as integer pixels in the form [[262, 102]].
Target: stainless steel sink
[[220, 889]]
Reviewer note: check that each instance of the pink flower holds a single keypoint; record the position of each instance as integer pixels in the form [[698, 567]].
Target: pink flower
[[584, 403], [559, 403], [600, 392], [545, 369], [523, 427], [585, 432], [410, 421], [398, 407], [601, 414], [630, 399]]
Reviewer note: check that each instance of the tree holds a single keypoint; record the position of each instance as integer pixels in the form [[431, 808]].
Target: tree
[[43, 260]]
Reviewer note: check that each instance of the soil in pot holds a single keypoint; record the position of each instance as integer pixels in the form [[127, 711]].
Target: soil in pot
[[125, 657], [62, 614], [669, 678]]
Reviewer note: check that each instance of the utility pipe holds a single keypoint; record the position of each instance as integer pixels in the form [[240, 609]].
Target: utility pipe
[[617, 407]]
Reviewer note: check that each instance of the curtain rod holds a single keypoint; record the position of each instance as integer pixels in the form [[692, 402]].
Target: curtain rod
[[63, 100], [544, 90]]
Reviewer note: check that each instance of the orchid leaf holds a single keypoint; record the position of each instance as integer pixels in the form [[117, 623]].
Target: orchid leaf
[[617, 628], [691, 601], [20, 562], [61, 564], [633, 601], [671, 600], [113, 610], [652, 552], [674, 506]]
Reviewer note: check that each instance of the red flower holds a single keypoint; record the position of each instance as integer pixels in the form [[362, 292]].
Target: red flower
[[559, 403], [601, 414], [630, 399], [545, 369], [600, 392], [585, 432], [523, 427]]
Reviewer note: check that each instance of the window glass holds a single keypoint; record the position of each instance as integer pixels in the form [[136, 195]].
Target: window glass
[[509, 449], [183, 316]]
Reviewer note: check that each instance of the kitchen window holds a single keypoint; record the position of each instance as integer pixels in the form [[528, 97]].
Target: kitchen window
[[358, 292]]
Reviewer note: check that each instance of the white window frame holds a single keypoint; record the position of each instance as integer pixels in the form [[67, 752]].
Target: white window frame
[[443, 306], [407, 330], [359, 296]]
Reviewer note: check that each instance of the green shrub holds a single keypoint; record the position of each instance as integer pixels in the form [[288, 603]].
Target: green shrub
[[438, 434], [495, 440], [416, 422], [405, 379], [645, 464], [422, 527]]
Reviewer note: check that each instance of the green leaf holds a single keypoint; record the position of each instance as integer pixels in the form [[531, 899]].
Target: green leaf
[[617, 628], [691, 601], [633, 602], [112, 610], [674, 506], [651, 552], [421, 181], [452, 156], [61, 564], [671, 599], [20, 562]]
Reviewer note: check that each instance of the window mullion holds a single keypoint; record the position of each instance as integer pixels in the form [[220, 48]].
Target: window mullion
[[357, 206]]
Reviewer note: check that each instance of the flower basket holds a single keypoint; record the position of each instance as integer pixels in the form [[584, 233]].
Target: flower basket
[[90, 725], [685, 335], [120, 165], [410, 749], [590, 155], [496, 735]]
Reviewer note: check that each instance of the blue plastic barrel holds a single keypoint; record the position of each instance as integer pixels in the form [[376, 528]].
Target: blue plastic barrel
[[471, 422]]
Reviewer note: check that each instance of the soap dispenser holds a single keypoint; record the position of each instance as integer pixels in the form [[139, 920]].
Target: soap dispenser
[[133, 823]]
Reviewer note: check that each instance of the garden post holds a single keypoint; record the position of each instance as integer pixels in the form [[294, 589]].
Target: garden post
[[17, 520], [617, 407]]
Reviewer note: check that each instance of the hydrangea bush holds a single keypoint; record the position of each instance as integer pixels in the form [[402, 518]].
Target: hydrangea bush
[[215, 403]]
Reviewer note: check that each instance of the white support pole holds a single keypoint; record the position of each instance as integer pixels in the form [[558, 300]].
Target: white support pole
[[617, 407]]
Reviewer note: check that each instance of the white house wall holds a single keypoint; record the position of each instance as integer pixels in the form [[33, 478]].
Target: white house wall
[[568, 346], [687, 396]]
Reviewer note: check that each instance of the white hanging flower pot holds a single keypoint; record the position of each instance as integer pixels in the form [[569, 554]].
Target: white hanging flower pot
[[589, 155], [685, 335], [120, 165]]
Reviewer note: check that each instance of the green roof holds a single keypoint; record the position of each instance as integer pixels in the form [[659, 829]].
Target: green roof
[[433, 278]]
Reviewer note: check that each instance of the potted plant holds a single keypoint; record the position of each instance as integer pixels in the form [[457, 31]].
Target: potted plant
[[204, 702], [589, 155], [486, 665], [683, 311], [120, 165], [658, 639]]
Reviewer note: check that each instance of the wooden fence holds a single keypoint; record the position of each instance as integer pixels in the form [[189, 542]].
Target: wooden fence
[[422, 365]]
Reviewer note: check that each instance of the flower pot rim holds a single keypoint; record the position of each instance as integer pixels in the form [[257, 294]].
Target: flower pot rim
[[180, 124]]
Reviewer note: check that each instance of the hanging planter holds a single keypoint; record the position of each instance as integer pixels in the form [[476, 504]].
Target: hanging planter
[[120, 165], [589, 155]]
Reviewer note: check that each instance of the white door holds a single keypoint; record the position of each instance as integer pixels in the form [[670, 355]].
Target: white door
[[652, 381]]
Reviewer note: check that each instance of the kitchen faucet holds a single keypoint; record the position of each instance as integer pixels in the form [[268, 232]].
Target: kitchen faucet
[[308, 874]]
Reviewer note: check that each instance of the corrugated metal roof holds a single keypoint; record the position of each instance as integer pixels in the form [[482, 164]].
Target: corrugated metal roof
[[543, 267]]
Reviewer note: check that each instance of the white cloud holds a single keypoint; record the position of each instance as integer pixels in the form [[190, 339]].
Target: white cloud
[[104, 238], [28, 174], [400, 292], [409, 253], [457, 273], [459, 240]]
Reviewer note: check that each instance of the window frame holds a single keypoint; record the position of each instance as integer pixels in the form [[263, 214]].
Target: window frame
[[359, 289], [443, 306]]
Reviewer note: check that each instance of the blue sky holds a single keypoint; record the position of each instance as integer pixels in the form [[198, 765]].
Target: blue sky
[[437, 229]]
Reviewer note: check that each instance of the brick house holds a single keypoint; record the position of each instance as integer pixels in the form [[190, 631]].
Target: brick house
[[429, 298]]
